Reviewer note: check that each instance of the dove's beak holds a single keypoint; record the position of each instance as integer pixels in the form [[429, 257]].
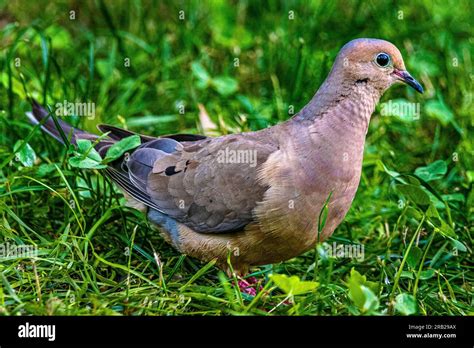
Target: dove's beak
[[405, 76]]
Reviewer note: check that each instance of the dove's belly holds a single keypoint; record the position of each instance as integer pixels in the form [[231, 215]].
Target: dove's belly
[[295, 228]]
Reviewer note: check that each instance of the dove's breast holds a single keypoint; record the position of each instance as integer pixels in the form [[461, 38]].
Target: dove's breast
[[317, 167]]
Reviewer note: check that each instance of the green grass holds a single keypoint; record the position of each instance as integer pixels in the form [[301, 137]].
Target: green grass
[[96, 257]]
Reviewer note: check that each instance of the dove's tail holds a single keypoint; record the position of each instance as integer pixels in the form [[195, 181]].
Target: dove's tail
[[59, 130]]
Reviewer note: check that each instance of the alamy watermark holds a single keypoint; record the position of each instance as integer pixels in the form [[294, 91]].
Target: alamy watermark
[[347, 251], [237, 156], [67, 108], [9, 250], [28, 330], [400, 108]]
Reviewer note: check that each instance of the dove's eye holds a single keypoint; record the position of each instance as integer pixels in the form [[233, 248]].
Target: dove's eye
[[382, 59]]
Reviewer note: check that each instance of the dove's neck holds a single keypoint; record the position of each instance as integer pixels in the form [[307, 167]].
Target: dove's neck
[[339, 102], [334, 125]]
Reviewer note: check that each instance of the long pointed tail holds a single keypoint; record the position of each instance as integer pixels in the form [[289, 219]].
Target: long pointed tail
[[50, 127]]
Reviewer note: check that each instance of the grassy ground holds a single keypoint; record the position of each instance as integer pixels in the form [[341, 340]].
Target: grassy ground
[[249, 64]]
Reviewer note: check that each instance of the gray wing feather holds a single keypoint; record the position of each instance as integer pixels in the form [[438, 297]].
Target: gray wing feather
[[190, 183]]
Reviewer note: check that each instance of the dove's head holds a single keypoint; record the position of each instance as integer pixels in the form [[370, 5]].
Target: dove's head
[[375, 62]]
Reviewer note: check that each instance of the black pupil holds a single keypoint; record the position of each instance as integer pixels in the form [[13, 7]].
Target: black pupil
[[383, 59]]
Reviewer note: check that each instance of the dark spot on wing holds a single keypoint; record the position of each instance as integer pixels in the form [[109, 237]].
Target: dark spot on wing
[[171, 171]]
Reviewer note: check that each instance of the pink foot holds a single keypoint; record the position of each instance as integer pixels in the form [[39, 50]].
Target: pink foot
[[249, 286]]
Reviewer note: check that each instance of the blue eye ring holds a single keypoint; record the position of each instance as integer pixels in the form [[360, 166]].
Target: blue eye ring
[[383, 59]]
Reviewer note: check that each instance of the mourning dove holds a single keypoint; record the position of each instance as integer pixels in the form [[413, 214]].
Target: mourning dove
[[258, 197]]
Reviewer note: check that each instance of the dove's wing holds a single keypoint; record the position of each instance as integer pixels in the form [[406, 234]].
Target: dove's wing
[[209, 185]]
